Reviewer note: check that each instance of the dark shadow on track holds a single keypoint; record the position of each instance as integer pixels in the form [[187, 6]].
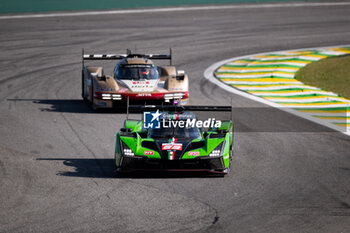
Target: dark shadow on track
[[104, 168], [89, 168], [67, 106]]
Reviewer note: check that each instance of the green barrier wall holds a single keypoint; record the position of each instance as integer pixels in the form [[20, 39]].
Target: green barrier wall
[[26, 6]]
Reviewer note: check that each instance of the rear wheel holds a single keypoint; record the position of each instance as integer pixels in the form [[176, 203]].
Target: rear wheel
[[92, 93], [83, 94]]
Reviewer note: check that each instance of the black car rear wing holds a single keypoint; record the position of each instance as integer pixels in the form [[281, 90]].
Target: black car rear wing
[[143, 108], [128, 54]]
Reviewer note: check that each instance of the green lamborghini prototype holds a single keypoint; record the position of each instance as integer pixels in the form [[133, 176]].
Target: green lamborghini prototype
[[173, 138]]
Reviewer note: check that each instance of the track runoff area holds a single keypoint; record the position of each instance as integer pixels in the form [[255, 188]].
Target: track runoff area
[[11, 12], [269, 78]]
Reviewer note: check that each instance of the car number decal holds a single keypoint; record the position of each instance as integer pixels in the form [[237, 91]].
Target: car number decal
[[171, 146]]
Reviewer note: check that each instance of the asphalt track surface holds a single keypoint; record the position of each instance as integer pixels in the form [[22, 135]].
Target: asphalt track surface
[[56, 155]]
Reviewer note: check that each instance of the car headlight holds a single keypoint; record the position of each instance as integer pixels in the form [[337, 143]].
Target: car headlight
[[168, 96], [217, 152], [172, 96], [108, 96], [126, 150], [178, 95]]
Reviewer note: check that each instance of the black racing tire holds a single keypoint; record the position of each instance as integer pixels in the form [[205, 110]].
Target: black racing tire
[[83, 86], [118, 171], [115, 168], [93, 107]]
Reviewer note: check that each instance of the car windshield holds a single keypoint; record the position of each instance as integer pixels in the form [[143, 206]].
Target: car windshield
[[174, 131], [137, 72]]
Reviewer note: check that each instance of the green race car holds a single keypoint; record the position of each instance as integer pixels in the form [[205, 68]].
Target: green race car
[[173, 138]]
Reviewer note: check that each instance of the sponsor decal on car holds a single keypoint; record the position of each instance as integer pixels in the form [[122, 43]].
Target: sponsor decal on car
[[175, 89], [143, 94], [171, 155], [193, 153], [148, 152], [123, 90], [140, 86], [172, 145], [140, 83], [143, 85]]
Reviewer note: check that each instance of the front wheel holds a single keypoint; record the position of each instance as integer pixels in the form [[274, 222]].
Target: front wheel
[[118, 171]]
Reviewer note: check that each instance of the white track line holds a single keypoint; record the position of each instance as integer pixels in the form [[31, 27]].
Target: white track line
[[209, 74], [173, 9]]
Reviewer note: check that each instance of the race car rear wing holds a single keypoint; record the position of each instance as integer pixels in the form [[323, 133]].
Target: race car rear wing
[[128, 54], [142, 108]]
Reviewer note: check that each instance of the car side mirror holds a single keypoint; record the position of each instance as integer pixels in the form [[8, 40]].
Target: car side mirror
[[205, 134], [102, 78], [125, 130], [223, 131], [180, 75]]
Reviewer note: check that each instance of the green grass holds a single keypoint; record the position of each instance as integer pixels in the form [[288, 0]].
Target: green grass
[[330, 74]]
